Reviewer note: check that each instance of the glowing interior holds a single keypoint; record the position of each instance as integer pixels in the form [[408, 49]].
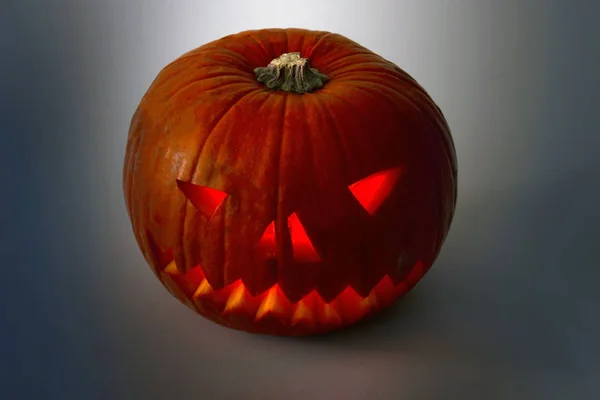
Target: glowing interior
[[302, 247], [205, 199], [193, 289], [267, 242], [374, 189]]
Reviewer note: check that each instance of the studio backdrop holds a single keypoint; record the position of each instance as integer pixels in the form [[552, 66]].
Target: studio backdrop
[[508, 310]]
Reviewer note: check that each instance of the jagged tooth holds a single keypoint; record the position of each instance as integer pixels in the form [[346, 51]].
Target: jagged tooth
[[365, 305], [203, 289], [171, 268], [385, 291], [385, 284], [415, 275], [304, 313], [330, 313], [168, 278], [410, 280], [237, 298], [362, 305], [272, 303]]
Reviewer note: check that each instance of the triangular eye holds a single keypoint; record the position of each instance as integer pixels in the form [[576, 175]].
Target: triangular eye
[[205, 199], [302, 246], [372, 191]]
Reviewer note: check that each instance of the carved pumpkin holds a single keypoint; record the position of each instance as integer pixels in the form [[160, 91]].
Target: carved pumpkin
[[287, 181]]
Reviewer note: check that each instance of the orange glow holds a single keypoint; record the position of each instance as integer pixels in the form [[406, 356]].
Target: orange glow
[[274, 303], [310, 311], [235, 299], [203, 289], [374, 189], [330, 313], [302, 246], [171, 268], [267, 241], [205, 199], [304, 312]]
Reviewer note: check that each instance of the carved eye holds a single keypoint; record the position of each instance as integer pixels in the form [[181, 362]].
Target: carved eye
[[372, 191], [205, 199]]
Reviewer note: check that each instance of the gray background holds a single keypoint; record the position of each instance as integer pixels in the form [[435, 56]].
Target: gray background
[[509, 310]]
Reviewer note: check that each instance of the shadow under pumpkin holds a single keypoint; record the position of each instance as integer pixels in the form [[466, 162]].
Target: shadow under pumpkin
[[271, 311]]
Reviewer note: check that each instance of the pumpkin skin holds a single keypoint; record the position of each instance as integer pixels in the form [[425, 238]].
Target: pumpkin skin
[[283, 213]]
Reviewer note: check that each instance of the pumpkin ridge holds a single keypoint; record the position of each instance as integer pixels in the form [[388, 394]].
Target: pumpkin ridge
[[192, 83], [133, 142], [318, 42], [300, 44], [259, 43], [334, 133], [231, 271], [195, 163], [425, 104], [335, 70], [133, 192], [287, 41], [447, 148], [392, 96], [281, 217], [184, 57], [347, 166], [375, 72], [208, 52]]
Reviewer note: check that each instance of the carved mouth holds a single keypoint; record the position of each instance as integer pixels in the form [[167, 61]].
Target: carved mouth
[[235, 307], [317, 311]]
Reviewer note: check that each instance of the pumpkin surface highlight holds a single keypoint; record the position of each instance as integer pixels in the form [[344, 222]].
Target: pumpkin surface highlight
[[287, 181]]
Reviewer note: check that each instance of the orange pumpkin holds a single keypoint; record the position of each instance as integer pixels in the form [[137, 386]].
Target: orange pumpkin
[[288, 181]]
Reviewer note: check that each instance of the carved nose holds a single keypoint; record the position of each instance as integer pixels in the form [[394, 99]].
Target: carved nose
[[293, 232], [302, 247]]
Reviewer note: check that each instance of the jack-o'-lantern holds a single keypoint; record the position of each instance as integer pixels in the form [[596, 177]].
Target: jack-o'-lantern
[[287, 181]]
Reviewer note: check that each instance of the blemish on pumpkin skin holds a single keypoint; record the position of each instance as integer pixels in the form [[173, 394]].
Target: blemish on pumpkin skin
[[178, 163]]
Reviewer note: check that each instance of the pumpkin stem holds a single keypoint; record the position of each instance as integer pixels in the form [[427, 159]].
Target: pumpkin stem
[[290, 73]]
